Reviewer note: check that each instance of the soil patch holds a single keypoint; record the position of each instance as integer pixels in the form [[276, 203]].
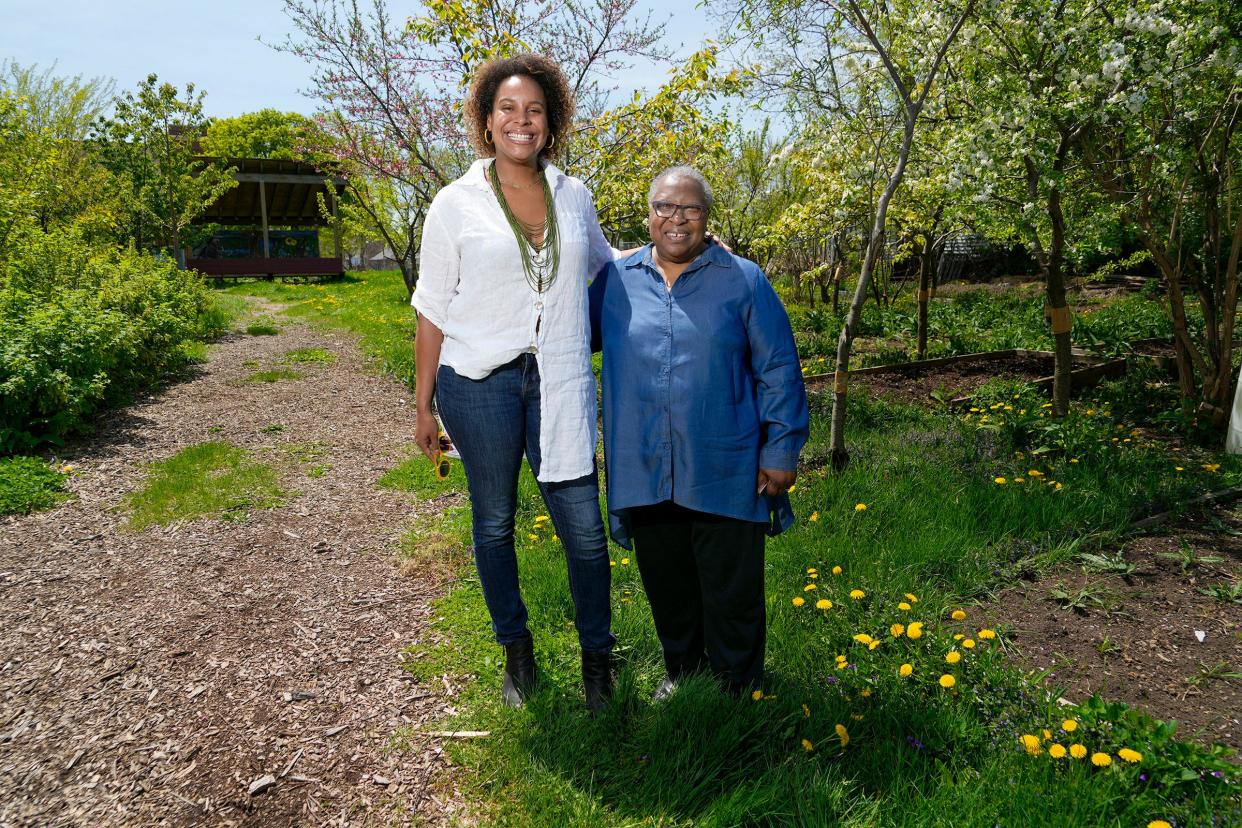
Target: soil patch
[[1141, 643], [157, 677], [917, 385]]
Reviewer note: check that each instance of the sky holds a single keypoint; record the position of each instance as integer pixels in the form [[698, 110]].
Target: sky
[[216, 45]]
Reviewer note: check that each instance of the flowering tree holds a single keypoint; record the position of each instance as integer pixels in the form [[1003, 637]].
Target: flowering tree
[[391, 89], [899, 48]]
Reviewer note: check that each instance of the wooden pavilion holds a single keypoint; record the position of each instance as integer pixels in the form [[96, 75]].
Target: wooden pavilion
[[273, 192]]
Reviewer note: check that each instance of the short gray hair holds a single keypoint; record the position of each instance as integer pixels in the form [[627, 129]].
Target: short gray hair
[[682, 171]]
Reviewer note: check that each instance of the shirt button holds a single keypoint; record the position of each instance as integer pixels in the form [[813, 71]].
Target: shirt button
[[539, 306]]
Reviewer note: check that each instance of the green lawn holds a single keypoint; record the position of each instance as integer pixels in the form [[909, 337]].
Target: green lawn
[[842, 734]]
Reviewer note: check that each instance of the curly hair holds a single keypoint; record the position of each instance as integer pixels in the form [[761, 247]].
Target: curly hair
[[489, 77]]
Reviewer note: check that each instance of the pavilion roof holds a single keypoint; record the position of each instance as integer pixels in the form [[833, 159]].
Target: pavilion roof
[[291, 191]]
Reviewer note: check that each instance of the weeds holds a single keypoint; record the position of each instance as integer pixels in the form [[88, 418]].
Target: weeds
[[1187, 558], [206, 480]]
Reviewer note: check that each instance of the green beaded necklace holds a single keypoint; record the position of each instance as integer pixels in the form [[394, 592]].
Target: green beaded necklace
[[539, 261]]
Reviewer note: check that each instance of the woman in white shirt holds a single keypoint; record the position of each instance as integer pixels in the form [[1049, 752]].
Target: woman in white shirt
[[504, 343]]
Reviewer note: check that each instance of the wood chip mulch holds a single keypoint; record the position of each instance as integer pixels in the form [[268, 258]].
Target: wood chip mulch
[[226, 672]]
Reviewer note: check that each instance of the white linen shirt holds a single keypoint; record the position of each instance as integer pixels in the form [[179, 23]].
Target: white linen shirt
[[472, 287]]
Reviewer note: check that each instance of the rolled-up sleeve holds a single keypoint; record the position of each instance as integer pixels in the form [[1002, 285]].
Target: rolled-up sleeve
[[781, 395], [601, 253], [439, 267]]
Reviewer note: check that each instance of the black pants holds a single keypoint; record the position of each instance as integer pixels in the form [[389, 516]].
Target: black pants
[[704, 580]]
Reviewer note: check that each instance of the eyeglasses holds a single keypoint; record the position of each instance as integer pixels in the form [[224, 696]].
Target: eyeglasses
[[442, 466], [690, 212]]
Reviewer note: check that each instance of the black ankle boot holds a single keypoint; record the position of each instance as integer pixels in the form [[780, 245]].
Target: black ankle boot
[[520, 678], [597, 678]]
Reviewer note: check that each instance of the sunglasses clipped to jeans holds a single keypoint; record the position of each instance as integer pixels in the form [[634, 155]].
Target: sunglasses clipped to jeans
[[441, 461]]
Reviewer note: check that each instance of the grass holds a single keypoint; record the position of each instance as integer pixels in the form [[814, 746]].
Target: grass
[[212, 479], [262, 329], [309, 356], [28, 484], [274, 375], [936, 525]]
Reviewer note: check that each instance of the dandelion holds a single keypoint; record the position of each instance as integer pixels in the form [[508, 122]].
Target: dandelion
[[1131, 756], [808, 588], [1211, 467], [903, 606], [968, 643], [860, 507], [791, 489], [1101, 760], [1019, 480], [1179, 468], [814, 517], [915, 630], [953, 657], [1158, 823], [947, 681], [1069, 725], [823, 604], [1074, 461], [987, 635], [857, 594], [541, 518], [799, 601], [910, 597], [612, 563], [807, 746], [836, 570], [1078, 751], [842, 734], [806, 712], [812, 571], [1047, 734], [1031, 744], [897, 630], [863, 638], [874, 643], [959, 615], [757, 695], [905, 670], [1035, 473], [1000, 481], [958, 636], [1056, 751], [625, 561], [532, 537]]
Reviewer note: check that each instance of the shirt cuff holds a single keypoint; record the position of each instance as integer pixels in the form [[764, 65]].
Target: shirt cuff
[[433, 315], [771, 457]]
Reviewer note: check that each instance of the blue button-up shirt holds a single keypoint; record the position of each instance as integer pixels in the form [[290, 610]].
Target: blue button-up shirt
[[701, 388]]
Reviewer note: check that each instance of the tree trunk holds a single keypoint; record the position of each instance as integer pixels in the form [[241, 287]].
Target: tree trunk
[[1051, 266], [925, 289]]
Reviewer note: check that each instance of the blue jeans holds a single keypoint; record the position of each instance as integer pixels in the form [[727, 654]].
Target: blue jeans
[[492, 422]]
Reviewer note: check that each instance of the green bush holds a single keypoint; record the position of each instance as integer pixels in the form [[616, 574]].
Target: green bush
[[83, 328], [27, 484]]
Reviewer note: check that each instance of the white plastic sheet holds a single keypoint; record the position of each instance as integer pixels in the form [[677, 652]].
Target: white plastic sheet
[[1233, 442]]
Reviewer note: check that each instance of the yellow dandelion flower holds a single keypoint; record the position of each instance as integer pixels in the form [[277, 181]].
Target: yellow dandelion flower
[[1000, 481], [625, 561], [810, 570], [1035, 473], [968, 643], [532, 537], [860, 507], [1101, 760], [866, 693], [910, 597], [987, 635], [842, 734], [807, 746], [1057, 487], [1158, 823], [958, 636], [947, 681], [905, 670], [875, 643], [857, 594], [1047, 734], [1078, 751], [953, 657], [541, 518], [903, 606], [1069, 725], [799, 601], [813, 576], [1019, 480], [897, 629], [814, 517], [1057, 751], [808, 588], [1130, 756], [757, 695], [1074, 460], [858, 717], [1211, 467], [915, 630], [863, 638], [612, 563], [1031, 744], [791, 488], [823, 604], [806, 712], [959, 615]]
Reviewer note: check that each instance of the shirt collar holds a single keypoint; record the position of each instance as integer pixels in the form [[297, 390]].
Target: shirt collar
[[476, 176], [713, 255]]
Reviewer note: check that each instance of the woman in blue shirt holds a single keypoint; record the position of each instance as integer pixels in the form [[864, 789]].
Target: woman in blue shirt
[[704, 416]]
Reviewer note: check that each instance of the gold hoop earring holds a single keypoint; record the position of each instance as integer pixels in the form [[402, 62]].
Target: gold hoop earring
[[551, 142], [487, 136]]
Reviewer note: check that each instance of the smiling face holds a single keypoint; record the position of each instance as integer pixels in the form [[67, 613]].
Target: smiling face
[[519, 120], [678, 239]]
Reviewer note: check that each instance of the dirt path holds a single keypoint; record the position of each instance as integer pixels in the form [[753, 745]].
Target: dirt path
[[151, 678]]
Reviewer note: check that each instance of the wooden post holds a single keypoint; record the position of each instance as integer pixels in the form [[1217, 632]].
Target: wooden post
[[267, 254]]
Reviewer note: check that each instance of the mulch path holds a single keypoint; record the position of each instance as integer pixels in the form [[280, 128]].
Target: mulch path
[[155, 677], [1140, 646]]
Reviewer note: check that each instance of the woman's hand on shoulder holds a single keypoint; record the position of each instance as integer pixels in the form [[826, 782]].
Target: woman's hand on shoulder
[[775, 481]]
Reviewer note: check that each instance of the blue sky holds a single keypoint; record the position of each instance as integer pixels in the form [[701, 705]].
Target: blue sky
[[215, 45]]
